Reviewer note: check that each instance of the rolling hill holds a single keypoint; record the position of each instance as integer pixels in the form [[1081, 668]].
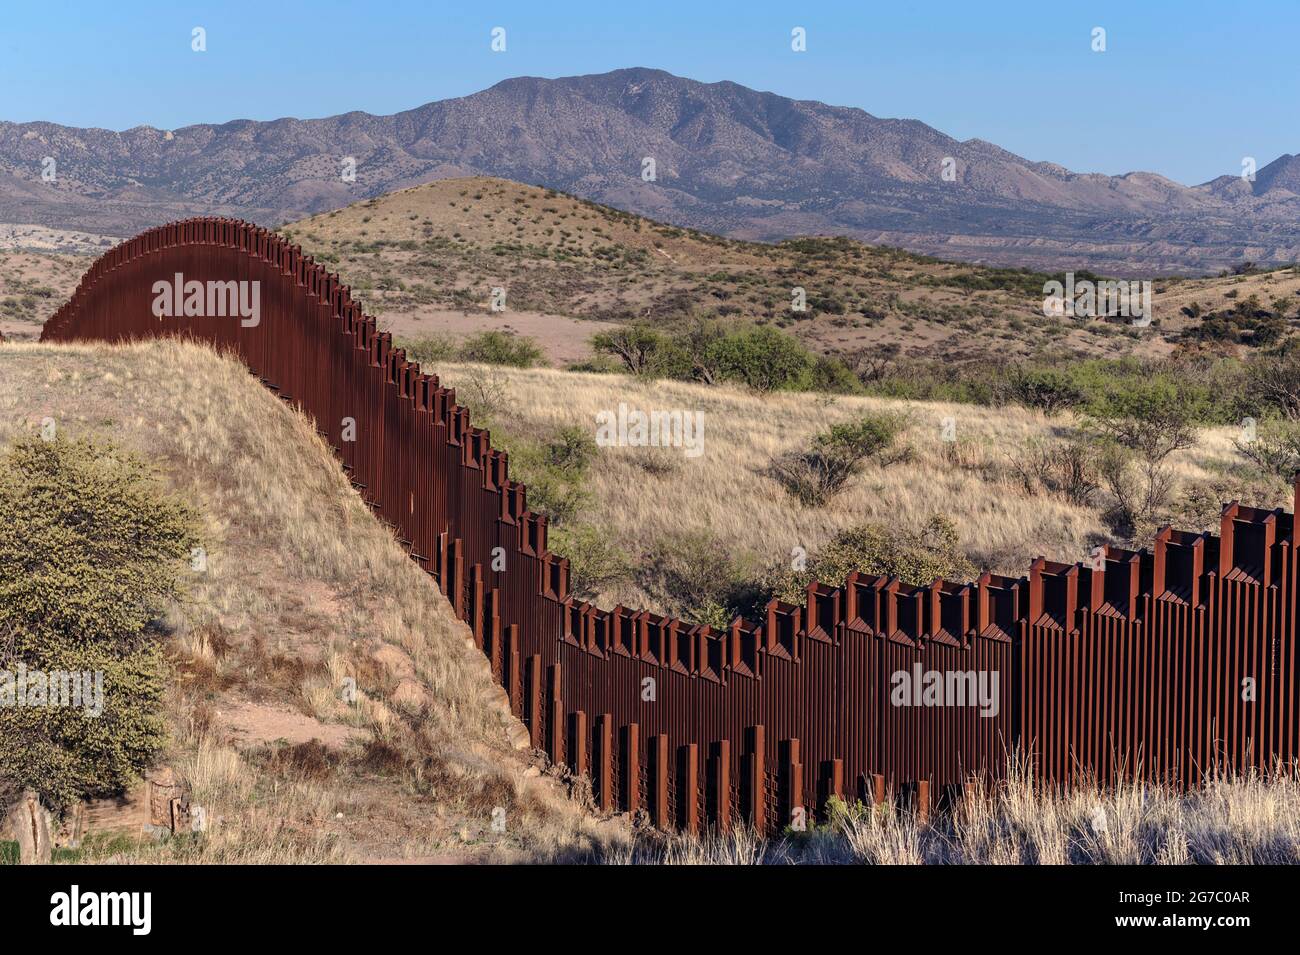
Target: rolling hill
[[426, 258]]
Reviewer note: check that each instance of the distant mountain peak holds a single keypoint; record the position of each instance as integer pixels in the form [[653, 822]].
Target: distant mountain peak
[[726, 159]]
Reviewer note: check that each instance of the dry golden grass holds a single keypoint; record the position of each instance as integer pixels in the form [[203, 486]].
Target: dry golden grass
[[643, 496], [303, 588], [1230, 821]]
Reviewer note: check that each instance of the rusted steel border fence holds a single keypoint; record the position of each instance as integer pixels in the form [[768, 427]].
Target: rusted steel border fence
[[1161, 664]]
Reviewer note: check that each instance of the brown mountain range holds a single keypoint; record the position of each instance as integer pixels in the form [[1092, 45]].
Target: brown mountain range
[[728, 159]]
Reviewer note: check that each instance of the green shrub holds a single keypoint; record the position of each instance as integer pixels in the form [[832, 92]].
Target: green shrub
[[695, 577], [91, 551], [501, 348], [814, 474], [88, 541], [555, 471], [914, 556], [762, 358], [67, 753], [1274, 448], [707, 350], [595, 562], [430, 350], [1154, 418], [638, 347], [1048, 389]]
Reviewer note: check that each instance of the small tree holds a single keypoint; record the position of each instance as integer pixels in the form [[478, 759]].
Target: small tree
[[638, 347], [914, 555], [762, 358], [1048, 389], [1154, 418], [816, 473], [1141, 488], [90, 553]]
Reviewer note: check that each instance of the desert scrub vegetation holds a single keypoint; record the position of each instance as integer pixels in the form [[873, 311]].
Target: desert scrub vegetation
[[711, 350], [1229, 820], [917, 555], [91, 553], [813, 474], [487, 348], [1013, 485]]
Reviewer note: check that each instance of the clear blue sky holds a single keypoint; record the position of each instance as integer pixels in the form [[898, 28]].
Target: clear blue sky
[[1186, 87]]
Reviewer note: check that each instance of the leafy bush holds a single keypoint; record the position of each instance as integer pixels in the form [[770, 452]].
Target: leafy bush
[[1049, 389], [555, 471], [638, 347], [431, 350], [706, 350], [501, 348], [1154, 419], [1275, 448], [1273, 382], [762, 358], [813, 475], [88, 542], [91, 550], [696, 577], [595, 562], [915, 556]]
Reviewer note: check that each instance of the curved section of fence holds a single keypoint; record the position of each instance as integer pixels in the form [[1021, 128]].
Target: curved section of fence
[[1158, 664]]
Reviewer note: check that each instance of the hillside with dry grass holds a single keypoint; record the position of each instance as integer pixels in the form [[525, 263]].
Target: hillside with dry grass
[[302, 590], [646, 516]]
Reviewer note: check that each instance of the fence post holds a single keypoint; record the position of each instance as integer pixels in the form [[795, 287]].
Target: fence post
[[832, 780], [662, 816], [555, 727], [756, 777], [458, 577], [720, 771], [533, 704], [792, 769], [631, 764], [605, 763], [476, 604], [494, 631], [688, 787], [578, 743], [512, 661]]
